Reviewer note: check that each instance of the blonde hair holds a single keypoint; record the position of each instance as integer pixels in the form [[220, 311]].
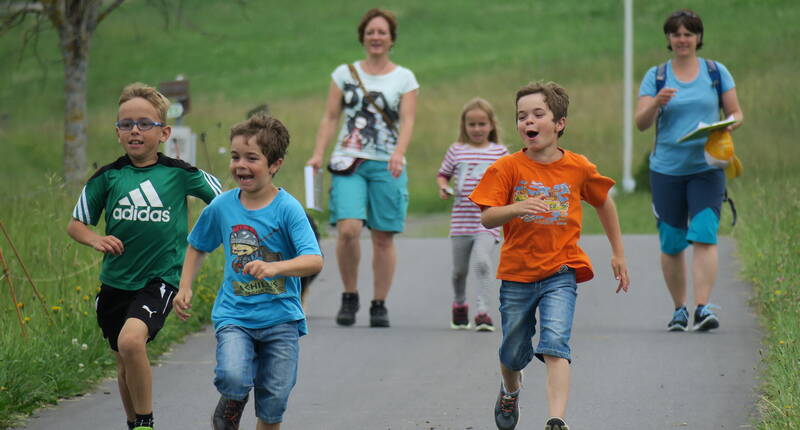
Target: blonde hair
[[155, 98], [486, 107], [271, 135]]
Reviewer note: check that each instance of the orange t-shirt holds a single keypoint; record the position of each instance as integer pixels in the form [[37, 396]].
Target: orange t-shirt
[[536, 246]]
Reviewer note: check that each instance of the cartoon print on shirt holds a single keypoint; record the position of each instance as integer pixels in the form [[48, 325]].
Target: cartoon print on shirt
[[556, 197], [247, 247], [362, 131]]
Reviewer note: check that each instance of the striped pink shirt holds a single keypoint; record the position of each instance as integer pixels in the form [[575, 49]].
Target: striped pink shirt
[[466, 164]]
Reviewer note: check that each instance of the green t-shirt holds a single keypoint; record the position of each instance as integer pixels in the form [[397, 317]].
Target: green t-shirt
[[145, 208]]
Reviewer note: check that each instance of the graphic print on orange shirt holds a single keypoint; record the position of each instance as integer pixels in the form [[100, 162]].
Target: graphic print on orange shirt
[[556, 197]]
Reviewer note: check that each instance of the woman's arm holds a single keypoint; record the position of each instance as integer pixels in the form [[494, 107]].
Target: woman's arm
[[730, 105], [327, 126], [647, 107], [408, 111]]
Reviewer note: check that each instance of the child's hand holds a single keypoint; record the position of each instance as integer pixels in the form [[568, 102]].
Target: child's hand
[[108, 244], [531, 205], [260, 269], [181, 303], [445, 192], [620, 269]]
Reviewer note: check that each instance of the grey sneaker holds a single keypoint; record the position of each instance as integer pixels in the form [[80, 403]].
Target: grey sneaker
[[556, 424], [347, 312], [680, 320], [378, 314], [228, 414], [704, 318], [506, 410]]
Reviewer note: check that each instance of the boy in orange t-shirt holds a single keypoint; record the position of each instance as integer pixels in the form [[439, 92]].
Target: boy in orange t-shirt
[[535, 194]]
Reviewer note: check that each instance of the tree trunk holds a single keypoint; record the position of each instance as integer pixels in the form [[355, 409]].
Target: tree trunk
[[75, 138], [78, 21]]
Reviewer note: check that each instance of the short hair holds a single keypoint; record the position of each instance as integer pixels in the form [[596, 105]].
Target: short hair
[[555, 97], [271, 135], [155, 98], [486, 107], [687, 18], [372, 14]]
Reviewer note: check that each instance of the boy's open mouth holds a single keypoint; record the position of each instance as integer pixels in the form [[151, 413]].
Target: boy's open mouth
[[244, 177], [135, 142], [532, 133]]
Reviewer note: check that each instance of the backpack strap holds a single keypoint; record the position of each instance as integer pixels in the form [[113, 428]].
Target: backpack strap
[[726, 198], [716, 78], [661, 80]]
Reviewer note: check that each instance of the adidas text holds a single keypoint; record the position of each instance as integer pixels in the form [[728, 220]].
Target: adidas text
[[144, 214]]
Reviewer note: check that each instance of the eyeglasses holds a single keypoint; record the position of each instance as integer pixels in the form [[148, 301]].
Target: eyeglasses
[[143, 124]]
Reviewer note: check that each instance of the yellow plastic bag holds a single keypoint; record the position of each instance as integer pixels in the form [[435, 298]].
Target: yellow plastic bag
[[719, 152]]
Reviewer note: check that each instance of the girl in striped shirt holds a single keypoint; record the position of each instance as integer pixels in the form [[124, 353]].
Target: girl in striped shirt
[[473, 245]]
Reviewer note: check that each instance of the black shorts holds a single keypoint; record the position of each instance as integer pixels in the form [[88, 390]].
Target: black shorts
[[150, 304]]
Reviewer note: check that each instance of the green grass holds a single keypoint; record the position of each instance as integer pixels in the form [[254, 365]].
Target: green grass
[[282, 53]]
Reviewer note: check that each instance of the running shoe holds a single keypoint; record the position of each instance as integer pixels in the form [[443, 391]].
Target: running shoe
[[704, 318], [680, 320], [556, 424], [460, 319], [483, 322]]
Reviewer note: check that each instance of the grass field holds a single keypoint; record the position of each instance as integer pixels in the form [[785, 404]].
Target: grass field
[[239, 55]]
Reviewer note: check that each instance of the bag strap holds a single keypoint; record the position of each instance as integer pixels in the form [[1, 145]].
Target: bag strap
[[716, 78], [354, 74], [726, 198]]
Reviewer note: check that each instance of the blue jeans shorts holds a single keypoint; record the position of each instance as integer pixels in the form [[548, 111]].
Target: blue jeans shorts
[[555, 298], [264, 359], [371, 194], [687, 208]]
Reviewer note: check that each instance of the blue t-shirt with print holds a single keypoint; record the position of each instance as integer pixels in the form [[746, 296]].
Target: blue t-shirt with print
[[279, 231], [694, 102]]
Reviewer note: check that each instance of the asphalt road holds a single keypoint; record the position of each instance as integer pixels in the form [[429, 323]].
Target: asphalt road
[[628, 371]]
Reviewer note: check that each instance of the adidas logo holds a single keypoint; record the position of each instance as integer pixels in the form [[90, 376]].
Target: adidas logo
[[141, 205]]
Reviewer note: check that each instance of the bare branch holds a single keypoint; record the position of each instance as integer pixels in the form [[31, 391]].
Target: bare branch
[[101, 16], [25, 7]]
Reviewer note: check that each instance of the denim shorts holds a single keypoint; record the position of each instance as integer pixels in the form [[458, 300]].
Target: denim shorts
[[264, 359], [371, 194], [687, 208], [555, 298]]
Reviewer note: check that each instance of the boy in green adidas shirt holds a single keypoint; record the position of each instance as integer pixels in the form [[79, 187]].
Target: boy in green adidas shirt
[[144, 195]]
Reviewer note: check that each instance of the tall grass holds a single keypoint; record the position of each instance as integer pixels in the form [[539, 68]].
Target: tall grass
[[238, 55]]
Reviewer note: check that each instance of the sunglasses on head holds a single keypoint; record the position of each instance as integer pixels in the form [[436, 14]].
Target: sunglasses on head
[[683, 13], [143, 124]]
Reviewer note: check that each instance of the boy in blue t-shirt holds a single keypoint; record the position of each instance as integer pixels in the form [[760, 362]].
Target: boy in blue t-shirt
[[269, 245]]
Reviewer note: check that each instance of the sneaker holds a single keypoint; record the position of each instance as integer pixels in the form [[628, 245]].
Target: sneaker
[[378, 314], [347, 313], [460, 317], [483, 322], [143, 428], [506, 410], [556, 424], [704, 318], [680, 320], [228, 414]]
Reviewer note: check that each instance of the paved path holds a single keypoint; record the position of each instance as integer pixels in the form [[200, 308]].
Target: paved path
[[628, 372]]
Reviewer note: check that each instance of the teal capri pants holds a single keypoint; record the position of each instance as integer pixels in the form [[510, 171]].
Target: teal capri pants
[[372, 195]]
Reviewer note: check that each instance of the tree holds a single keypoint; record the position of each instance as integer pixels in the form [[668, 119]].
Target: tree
[[75, 22]]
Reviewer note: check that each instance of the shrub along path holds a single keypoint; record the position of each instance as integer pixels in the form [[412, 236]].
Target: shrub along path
[[628, 371]]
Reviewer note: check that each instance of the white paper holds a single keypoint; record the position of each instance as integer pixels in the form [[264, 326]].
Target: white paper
[[313, 185]]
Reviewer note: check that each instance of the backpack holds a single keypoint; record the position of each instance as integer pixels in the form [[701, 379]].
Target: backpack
[[716, 81]]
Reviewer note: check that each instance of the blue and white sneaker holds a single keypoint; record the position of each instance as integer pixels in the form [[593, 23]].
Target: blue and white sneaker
[[680, 320], [704, 318]]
